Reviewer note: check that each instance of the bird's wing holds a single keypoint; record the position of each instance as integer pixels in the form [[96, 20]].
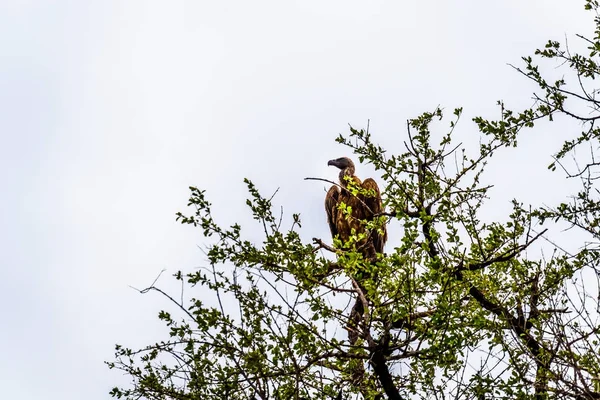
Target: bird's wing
[[375, 205], [331, 206]]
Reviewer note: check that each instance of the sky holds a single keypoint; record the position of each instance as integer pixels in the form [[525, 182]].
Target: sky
[[110, 109]]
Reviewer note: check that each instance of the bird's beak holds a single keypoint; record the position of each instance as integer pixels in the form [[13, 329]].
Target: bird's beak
[[332, 162]]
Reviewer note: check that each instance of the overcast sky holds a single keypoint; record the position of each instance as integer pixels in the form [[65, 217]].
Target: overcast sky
[[109, 110]]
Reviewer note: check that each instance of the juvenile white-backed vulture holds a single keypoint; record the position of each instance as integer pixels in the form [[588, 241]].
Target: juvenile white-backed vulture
[[364, 199], [364, 207]]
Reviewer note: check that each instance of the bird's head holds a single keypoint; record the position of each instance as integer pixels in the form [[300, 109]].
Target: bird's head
[[341, 163]]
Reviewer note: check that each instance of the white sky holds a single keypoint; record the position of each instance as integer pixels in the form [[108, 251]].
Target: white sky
[[109, 110]]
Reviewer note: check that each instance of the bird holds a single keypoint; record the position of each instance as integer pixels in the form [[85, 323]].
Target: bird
[[364, 199], [366, 205]]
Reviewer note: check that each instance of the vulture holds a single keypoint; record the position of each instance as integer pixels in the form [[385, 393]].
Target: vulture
[[364, 206], [364, 199]]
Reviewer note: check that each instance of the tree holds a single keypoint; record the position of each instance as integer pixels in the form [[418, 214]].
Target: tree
[[460, 308]]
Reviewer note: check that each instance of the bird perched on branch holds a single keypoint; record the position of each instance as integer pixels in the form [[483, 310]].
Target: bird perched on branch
[[362, 201], [350, 206]]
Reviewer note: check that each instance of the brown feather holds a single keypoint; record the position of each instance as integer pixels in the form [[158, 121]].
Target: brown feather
[[331, 202], [364, 208], [376, 207]]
